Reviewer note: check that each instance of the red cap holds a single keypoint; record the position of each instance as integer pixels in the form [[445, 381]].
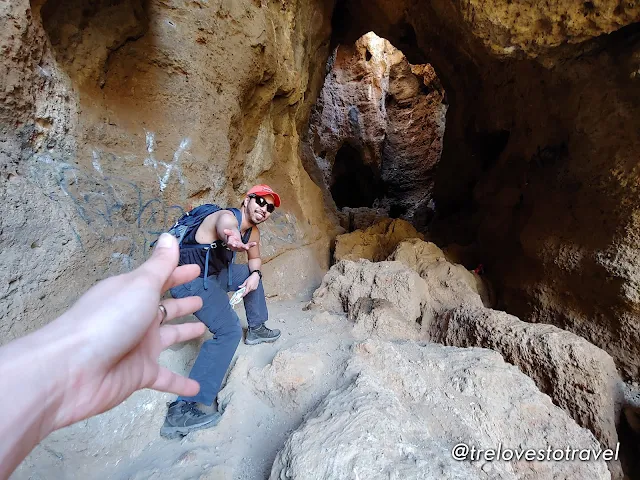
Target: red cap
[[265, 190]]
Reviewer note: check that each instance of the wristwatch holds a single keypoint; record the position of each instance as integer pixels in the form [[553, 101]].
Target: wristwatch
[[256, 271]]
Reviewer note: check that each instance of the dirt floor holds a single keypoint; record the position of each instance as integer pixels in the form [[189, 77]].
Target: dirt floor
[[262, 404]]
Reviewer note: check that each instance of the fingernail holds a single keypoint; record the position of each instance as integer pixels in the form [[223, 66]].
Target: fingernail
[[165, 241]]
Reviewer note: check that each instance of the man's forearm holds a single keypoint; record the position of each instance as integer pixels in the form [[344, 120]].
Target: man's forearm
[[254, 264]]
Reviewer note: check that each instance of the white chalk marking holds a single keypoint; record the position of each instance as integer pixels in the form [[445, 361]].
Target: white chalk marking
[[96, 162], [151, 161]]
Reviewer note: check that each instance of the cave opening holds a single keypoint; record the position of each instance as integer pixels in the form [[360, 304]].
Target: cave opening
[[376, 133], [353, 183]]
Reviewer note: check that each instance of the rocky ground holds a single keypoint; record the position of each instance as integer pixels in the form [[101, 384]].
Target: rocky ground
[[389, 366], [338, 396]]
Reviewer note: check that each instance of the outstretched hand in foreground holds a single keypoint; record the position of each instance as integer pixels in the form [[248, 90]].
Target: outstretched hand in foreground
[[96, 354]]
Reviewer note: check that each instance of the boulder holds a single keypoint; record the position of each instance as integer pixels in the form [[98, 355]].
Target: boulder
[[376, 242], [296, 273], [347, 282], [580, 378], [431, 263], [375, 317], [404, 407]]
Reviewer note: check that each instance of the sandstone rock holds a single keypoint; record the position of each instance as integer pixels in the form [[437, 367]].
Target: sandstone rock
[[214, 93], [284, 381], [417, 254], [559, 238], [549, 26], [380, 318], [432, 265], [580, 378], [404, 405], [116, 116], [297, 272], [377, 130], [376, 242], [347, 282], [362, 217], [418, 299]]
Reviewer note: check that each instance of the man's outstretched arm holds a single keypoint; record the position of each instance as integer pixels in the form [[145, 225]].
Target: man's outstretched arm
[[228, 230]]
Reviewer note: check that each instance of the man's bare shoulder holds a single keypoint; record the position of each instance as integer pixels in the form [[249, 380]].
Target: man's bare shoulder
[[208, 230], [225, 216]]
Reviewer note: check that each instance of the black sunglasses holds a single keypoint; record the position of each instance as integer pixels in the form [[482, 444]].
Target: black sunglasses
[[262, 202]]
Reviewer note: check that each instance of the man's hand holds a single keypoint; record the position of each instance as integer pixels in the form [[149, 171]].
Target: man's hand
[[234, 241], [251, 283]]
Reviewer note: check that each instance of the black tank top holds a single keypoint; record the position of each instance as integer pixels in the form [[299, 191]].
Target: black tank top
[[219, 257]]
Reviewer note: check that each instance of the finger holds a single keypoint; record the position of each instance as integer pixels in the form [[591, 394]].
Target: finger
[[251, 244], [179, 307], [182, 274], [162, 263], [172, 334], [170, 382]]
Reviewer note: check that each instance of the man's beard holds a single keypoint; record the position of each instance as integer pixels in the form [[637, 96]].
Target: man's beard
[[252, 216]]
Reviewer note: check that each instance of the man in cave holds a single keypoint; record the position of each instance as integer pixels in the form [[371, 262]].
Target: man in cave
[[211, 245]]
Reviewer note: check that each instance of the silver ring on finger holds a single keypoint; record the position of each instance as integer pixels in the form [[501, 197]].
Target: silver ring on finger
[[163, 311]]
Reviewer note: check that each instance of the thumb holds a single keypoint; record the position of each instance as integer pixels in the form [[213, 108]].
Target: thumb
[[163, 261]]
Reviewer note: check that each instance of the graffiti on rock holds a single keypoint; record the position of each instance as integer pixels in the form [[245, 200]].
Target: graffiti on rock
[[174, 166], [114, 209]]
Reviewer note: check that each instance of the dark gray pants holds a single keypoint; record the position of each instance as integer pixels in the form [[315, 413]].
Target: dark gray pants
[[216, 313]]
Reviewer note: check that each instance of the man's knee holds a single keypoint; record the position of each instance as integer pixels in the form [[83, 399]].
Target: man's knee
[[229, 331]]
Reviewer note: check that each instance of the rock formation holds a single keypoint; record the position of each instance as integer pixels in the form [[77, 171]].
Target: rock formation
[[116, 115], [406, 405], [375, 133], [443, 299], [376, 242], [539, 164], [538, 167]]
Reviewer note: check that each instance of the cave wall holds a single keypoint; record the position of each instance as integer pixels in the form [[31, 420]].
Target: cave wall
[[116, 116], [540, 162]]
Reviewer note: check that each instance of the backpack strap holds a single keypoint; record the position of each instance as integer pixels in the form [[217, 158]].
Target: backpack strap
[[238, 215]]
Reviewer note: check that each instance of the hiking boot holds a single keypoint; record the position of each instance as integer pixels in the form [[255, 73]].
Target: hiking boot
[[261, 334], [184, 417]]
